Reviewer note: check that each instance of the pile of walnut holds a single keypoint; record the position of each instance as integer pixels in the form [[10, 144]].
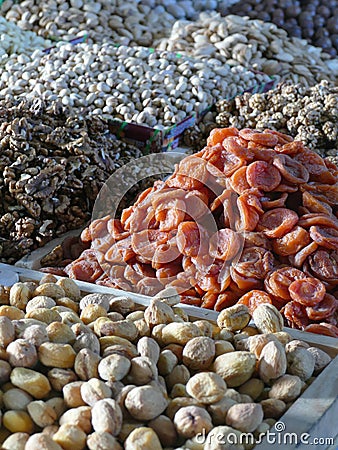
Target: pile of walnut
[[98, 372], [309, 115], [52, 166]]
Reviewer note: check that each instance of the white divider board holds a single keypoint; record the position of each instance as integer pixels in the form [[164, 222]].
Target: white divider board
[[315, 412]]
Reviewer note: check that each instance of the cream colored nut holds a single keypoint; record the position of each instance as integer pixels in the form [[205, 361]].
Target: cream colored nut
[[121, 397], [250, 331], [176, 349], [283, 337], [16, 441], [70, 437], [199, 353], [145, 402], [35, 383], [245, 416], [7, 332], [300, 362], [179, 312], [258, 342], [16, 399], [61, 356], [107, 341], [87, 340], [60, 333], [44, 315], [261, 430], [294, 344], [133, 316], [235, 368], [36, 333], [70, 318], [102, 441], [142, 371], [58, 404], [72, 394], [49, 290], [142, 438], [169, 296], [70, 288], [223, 334], [41, 301], [165, 430], [234, 318], [206, 387], [122, 328], [18, 422], [19, 295], [41, 413], [11, 312], [272, 361], [147, 346], [94, 390], [41, 441], [120, 350], [205, 327], [107, 416], [219, 410], [322, 359], [267, 318], [222, 347], [96, 299], [127, 427], [241, 341], [22, 353], [158, 312], [253, 387], [156, 333], [178, 390], [179, 333], [68, 303], [228, 434], [114, 316], [114, 367], [122, 305], [86, 364], [179, 374], [273, 408], [48, 278], [80, 416], [5, 371], [98, 324], [166, 362], [92, 312], [60, 377], [178, 403], [286, 388], [191, 420]]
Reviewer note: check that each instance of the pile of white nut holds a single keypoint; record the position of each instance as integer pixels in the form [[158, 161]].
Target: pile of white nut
[[130, 83], [254, 44], [14, 40], [137, 22]]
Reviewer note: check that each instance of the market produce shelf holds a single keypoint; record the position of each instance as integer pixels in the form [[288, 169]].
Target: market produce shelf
[[314, 412]]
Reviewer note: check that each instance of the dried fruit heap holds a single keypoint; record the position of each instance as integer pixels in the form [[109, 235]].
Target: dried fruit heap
[[252, 218]]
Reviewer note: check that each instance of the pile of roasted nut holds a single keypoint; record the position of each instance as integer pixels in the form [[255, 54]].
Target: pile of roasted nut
[[99, 372]]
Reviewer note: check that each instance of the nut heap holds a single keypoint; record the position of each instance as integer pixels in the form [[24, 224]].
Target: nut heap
[[251, 43], [14, 40], [100, 373], [129, 83], [125, 23], [314, 20], [309, 115], [53, 164], [238, 221]]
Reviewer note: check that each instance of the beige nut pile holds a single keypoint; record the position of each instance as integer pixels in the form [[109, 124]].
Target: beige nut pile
[[101, 372], [251, 43], [129, 83]]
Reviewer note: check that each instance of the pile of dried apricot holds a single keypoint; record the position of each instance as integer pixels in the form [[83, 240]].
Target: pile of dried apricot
[[251, 218]]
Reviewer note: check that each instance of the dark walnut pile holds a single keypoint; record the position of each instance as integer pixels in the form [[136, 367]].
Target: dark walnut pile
[[52, 166]]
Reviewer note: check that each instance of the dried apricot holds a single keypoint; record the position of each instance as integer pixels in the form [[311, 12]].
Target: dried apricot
[[326, 237], [262, 175], [277, 282], [292, 171], [225, 244], [277, 222], [292, 242], [322, 328], [217, 135], [254, 298], [307, 291]]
